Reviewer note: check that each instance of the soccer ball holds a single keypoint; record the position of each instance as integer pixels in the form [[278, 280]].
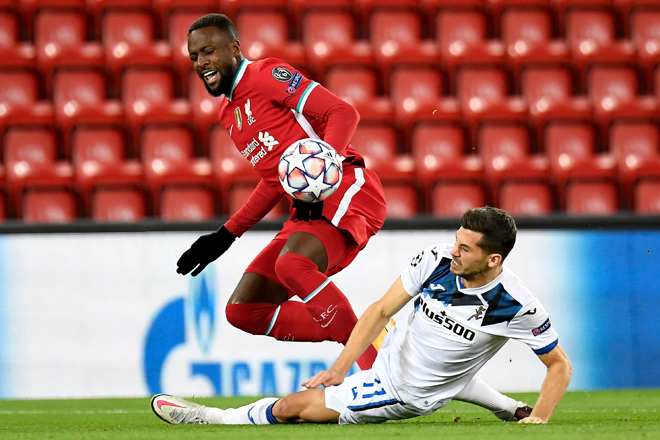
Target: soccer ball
[[310, 170]]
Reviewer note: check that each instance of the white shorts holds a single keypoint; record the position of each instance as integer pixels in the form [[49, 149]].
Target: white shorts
[[364, 398]]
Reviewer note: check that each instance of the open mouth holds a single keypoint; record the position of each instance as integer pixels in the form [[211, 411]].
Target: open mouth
[[211, 76], [455, 265]]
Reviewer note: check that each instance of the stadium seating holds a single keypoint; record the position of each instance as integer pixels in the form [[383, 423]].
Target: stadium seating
[[61, 41], [168, 156], [401, 201], [179, 23], [637, 152], [462, 40], [118, 205], [13, 52], [329, 39], [453, 199], [417, 97], [647, 197], [19, 100], [645, 34], [54, 206], [99, 158], [439, 156], [359, 87], [266, 34], [239, 194], [591, 198], [128, 39], [80, 99], [506, 154], [378, 146], [397, 40], [187, 204], [31, 158], [571, 150], [526, 199]]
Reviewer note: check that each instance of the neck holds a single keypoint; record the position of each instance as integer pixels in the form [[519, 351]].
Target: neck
[[481, 279]]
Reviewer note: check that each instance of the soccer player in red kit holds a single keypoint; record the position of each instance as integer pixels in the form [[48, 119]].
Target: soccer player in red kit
[[268, 106]]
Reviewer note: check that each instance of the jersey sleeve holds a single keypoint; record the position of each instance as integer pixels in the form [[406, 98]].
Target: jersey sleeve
[[286, 86], [532, 326], [421, 267], [261, 201]]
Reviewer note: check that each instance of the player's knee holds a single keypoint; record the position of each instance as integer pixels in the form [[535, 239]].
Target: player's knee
[[251, 318], [286, 410], [291, 268]]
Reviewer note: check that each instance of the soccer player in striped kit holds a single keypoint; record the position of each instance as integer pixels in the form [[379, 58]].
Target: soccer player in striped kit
[[267, 106]]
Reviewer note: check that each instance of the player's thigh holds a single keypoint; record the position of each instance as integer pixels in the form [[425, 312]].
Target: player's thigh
[[318, 240], [259, 283], [365, 398]]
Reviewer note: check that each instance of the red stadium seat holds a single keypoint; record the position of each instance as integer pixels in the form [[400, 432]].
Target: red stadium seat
[[366, 9], [13, 52], [329, 39], [266, 35], [417, 96], [229, 166], [401, 201], [527, 35], [118, 205], [148, 97], [3, 207], [61, 41], [378, 146], [358, 86], [128, 38], [96, 8], [549, 93], [397, 40], [525, 199], [462, 40], [645, 33], [232, 7], [19, 101], [301, 8], [613, 92], [163, 8], [635, 146], [49, 207], [497, 9], [506, 154], [483, 97], [439, 156], [180, 22], [31, 160], [563, 7], [572, 153], [187, 204], [80, 99], [647, 197], [29, 8], [591, 198], [591, 37], [453, 199], [99, 157], [238, 195], [168, 157]]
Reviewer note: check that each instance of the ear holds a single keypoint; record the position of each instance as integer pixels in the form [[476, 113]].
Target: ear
[[494, 260], [236, 47]]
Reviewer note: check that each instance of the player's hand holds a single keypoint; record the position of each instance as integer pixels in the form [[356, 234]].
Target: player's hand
[[532, 420], [205, 250], [308, 211], [326, 378]]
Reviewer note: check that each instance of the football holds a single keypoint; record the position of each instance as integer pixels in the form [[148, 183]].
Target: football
[[310, 170]]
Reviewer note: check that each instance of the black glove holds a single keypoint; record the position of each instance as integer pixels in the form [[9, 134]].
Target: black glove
[[308, 211], [205, 250]]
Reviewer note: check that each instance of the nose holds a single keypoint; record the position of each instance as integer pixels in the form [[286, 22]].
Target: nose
[[202, 60], [454, 251]]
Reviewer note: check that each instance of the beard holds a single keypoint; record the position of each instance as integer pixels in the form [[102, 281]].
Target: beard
[[224, 88]]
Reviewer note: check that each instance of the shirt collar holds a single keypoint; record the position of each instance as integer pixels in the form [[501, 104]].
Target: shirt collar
[[483, 289], [239, 75]]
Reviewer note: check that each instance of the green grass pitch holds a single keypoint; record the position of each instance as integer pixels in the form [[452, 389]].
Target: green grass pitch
[[581, 415]]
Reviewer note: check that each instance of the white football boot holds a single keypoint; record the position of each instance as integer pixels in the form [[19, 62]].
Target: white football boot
[[175, 410]]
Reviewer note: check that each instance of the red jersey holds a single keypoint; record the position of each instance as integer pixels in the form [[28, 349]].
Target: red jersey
[[270, 107]]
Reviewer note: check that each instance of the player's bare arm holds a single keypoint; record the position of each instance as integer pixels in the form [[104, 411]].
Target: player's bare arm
[[554, 385], [368, 327]]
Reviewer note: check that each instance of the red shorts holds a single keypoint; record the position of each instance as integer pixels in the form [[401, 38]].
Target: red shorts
[[352, 215]]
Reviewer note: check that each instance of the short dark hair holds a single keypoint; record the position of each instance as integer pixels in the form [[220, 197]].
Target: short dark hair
[[497, 226], [220, 21]]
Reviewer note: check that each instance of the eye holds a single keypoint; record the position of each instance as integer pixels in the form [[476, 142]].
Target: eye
[[193, 58], [209, 51]]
